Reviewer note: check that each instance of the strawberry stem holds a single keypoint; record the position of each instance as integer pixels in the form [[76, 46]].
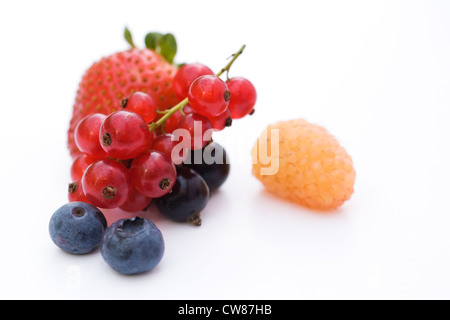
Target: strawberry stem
[[168, 113]]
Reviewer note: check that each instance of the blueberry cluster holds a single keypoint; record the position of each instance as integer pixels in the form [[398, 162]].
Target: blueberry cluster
[[129, 246]]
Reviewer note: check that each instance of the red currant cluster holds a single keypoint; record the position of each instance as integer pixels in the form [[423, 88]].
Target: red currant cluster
[[130, 156]]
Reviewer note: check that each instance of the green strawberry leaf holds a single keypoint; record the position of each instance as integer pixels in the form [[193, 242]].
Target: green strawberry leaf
[[168, 47], [152, 40], [129, 37]]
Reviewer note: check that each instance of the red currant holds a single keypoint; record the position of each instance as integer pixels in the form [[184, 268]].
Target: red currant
[[172, 149], [142, 104], [243, 97], [106, 183], [196, 131], [80, 165], [135, 202], [209, 96], [188, 109], [153, 174], [86, 136], [186, 75], [173, 122], [76, 192], [222, 121], [124, 135]]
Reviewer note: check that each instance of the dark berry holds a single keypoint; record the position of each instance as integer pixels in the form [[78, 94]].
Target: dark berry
[[211, 163], [188, 198], [132, 246], [77, 227]]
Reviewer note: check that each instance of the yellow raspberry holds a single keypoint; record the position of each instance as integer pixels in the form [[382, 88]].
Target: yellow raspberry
[[307, 165]]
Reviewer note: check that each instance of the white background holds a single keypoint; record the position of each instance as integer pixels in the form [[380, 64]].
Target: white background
[[376, 74]]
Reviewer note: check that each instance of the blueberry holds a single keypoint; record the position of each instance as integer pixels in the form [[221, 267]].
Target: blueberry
[[189, 196], [77, 227], [132, 246], [212, 163]]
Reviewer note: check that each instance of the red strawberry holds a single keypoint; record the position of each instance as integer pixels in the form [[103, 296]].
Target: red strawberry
[[114, 78]]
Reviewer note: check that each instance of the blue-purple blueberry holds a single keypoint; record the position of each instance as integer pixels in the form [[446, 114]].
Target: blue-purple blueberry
[[77, 227], [132, 246]]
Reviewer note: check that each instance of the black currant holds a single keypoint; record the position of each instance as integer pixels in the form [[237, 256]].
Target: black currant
[[211, 163], [188, 198]]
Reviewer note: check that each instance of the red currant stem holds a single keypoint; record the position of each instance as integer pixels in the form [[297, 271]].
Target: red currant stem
[[168, 113], [228, 66], [152, 126], [162, 111]]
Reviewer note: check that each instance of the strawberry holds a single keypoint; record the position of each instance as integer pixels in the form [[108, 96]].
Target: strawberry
[[117, 76]]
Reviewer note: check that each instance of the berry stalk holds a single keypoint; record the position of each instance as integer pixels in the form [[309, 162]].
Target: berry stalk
[[152, 126], [228, 66], [167, 114]]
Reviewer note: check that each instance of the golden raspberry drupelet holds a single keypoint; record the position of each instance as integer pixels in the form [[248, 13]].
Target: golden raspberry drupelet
[[313, 170]]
